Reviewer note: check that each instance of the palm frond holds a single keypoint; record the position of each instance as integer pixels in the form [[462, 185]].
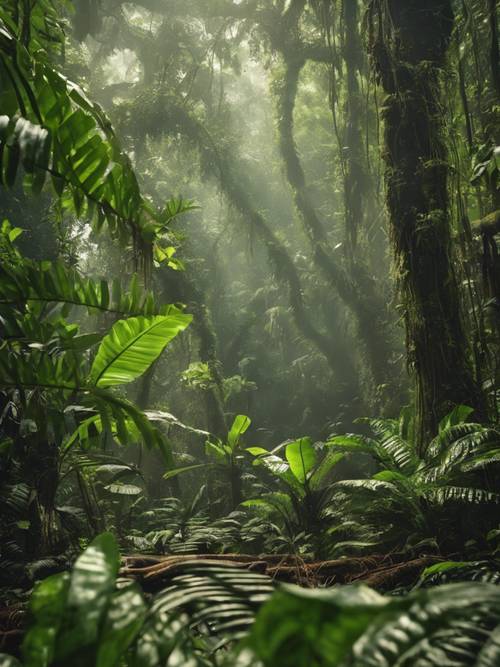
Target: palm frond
[[220, 600]]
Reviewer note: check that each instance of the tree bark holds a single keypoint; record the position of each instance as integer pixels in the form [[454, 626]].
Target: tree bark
[[409, 43]]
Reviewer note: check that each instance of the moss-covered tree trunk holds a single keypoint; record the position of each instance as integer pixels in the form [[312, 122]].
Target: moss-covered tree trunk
[[409, 43]]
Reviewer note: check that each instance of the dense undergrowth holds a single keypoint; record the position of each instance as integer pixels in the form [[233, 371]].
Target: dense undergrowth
[[145, 519]]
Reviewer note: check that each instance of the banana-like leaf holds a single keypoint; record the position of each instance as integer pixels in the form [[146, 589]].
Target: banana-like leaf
[[301, 457], [239, 426], [132, 345]]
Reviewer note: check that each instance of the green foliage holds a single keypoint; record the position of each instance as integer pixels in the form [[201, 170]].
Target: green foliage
[[221, 615], [132, 345], [301, 458], [84, 619], [303, 504], [355, 627], [70, 344], [41, 347], [50, 127], [452, 571], [59, 379], [24, 281], [225, 456], [409, 500], [220, 601], [198, 376], [486, 164]]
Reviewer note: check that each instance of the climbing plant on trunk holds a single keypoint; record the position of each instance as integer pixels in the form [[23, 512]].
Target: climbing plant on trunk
[[409, 43]]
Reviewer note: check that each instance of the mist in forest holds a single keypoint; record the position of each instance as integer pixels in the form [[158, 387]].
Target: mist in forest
[[196, 102], [249, 331]]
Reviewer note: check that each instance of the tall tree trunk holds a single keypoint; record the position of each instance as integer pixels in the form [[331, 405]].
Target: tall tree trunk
[[409, 42]]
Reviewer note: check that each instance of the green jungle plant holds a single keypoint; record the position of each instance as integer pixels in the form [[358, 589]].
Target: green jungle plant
[[58, 382], [224, 616], [188, 526], [226, 456], [307, 492], [56, 377], [415, 501], [50, 129], [82, 618]]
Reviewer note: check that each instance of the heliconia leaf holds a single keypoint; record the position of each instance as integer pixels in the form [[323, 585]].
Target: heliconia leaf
[[301, 456], [132, 345], [239, 426]]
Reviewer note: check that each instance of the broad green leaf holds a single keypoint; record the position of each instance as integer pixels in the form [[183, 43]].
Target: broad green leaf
[[301, 456], [48, 606], [277, 467], [14, 233], [124, 619], [329, 461], [132, 345], [312, 627], [179, 471], [458, 415], [91, 587], [352, 442], [216, 452], [257, 451], [391, 476], [239, 426]]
